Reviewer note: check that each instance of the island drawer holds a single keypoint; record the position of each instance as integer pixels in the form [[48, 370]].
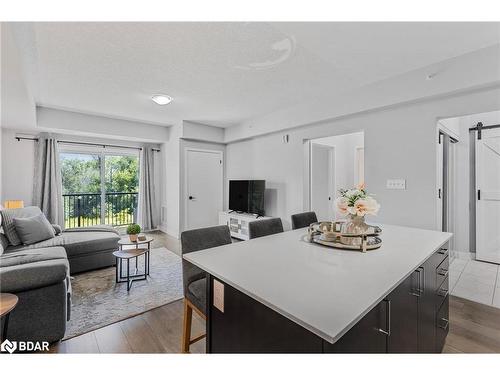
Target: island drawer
[[442, 292], [442, 271], [439, 256]]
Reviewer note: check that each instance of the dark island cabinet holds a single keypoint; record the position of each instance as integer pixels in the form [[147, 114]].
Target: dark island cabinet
[[413, 318], [403, 334], [369, 335]]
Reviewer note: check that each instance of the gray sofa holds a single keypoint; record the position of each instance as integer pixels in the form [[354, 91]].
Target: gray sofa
[[38, 274]]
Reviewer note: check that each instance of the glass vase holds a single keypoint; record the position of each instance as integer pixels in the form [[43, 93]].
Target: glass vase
[[353, 225]]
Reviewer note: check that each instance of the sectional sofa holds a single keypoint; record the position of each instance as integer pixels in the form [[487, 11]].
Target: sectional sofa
[[39, 274]]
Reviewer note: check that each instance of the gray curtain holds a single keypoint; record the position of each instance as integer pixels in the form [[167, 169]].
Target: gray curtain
[[148, 209], [47, 187]]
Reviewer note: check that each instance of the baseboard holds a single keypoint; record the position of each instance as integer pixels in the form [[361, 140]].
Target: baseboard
[[466, 255], [165, 229]]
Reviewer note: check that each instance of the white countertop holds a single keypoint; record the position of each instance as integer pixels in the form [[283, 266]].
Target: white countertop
[[325, 290]]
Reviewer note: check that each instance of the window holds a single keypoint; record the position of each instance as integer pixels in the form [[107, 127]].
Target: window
[[99, 187]]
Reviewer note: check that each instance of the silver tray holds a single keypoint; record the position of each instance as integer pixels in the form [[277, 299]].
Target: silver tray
[[327, 233]]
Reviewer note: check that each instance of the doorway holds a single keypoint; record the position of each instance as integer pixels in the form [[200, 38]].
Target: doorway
[[335, 162], [203, 192], [468, 198]]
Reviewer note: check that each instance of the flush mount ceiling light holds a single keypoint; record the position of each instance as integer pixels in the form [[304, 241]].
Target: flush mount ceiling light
[[161, 99]]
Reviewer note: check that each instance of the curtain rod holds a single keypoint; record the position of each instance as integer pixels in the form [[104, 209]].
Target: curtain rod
[[87, 144]]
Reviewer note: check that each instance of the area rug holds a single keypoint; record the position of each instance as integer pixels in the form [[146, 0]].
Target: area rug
[[98, 301]]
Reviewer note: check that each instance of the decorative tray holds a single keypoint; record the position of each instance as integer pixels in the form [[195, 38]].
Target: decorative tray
[[327, 233]]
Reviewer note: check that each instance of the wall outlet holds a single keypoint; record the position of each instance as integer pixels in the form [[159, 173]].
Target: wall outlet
[[396, 184]]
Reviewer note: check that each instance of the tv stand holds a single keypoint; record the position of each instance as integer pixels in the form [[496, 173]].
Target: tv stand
[[238, 222]]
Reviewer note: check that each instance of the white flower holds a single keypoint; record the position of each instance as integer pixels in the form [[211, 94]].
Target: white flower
[[351, 210], [366, 206], [341, 203]]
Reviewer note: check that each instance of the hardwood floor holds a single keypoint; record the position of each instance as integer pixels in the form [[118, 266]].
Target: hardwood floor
[[474, 328], [155, 331]]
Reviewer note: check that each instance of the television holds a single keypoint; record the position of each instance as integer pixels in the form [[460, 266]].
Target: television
[[247, 196]]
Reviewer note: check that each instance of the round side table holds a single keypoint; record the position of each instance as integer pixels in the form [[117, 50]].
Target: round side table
[[8, 302], [125, 255]]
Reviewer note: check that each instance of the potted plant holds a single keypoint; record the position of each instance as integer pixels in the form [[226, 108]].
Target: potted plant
[[133, 230]]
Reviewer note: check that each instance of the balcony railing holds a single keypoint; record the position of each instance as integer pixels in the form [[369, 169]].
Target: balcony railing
[[86, 209]]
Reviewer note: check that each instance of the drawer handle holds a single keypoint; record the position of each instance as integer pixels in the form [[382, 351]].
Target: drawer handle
[[442, 272], [446, 323], [420, 287], [387, 332], [442, 292], [442, 251]]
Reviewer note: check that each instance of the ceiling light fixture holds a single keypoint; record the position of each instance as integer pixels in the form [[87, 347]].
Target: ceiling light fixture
[[161, 99]]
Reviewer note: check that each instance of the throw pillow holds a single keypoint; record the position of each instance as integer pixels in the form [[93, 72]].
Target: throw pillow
[[33, 229], [8, 216], [57, 229]]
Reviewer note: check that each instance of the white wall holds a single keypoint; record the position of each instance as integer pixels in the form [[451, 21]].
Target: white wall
[[200, 132], [17, 168], [55, 120], [399, 143], [171, 192]]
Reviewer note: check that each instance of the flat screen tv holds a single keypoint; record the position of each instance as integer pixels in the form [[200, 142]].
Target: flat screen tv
[[247, 196]]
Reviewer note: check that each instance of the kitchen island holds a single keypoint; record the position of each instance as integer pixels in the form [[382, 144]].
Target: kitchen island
[[281, 293]]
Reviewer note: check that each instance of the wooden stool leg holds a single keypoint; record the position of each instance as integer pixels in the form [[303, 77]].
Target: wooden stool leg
[[186, 329]]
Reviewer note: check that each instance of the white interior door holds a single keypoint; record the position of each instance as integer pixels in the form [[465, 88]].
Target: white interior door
[[488, 196], [204, 188], [322, 181]]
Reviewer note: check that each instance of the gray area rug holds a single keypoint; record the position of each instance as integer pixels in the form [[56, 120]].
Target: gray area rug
[[98, 301]]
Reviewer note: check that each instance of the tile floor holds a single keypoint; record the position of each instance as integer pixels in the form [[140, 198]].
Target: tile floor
[[475, 281]]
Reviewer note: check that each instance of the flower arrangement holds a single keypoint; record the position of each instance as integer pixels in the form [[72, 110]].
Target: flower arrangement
[[356, 202]]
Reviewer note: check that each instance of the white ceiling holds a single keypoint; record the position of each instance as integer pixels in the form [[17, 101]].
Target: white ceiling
[[225, 73]]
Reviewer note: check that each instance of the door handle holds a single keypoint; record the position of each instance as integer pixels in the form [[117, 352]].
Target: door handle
[[191, 198], [443, 251], [387, 330]]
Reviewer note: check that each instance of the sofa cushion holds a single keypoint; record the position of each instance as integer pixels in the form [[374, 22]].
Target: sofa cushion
[[8, 225], [34, 229], [33, 268], [76, 243], [4, 242]]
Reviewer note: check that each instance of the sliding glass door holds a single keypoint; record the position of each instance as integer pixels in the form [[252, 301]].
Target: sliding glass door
[[99, 188]]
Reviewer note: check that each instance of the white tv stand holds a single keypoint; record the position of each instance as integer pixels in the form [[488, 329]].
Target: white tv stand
[[238, 223]]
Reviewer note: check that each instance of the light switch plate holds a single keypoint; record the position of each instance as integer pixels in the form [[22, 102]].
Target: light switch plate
[[219, 295], [396, 184]]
